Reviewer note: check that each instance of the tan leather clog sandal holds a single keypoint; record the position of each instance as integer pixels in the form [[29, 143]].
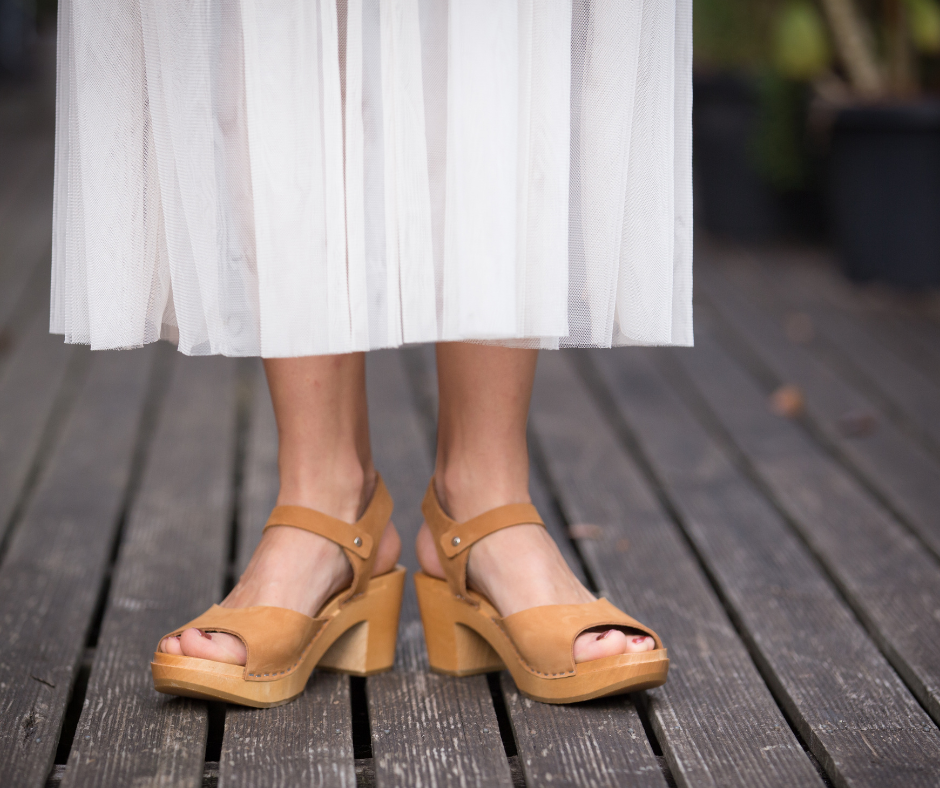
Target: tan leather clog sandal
[[354, 632], [465, 634]]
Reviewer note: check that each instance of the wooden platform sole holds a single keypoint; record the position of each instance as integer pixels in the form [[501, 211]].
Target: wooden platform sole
[[359, 639], [463, 640]]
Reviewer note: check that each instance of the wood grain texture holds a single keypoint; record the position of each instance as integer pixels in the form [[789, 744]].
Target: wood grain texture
[[592, 744], [53, 572], [427, 729], [848, 704], [899, 468], [170, 568], [584, 745], [29, 385], [884, 573], [306, 742], [309, 741], [715, 719]]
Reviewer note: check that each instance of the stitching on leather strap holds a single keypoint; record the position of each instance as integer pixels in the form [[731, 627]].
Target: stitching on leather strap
[[522, 659]]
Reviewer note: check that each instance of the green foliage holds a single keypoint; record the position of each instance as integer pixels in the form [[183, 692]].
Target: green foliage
[[800, 43], [732, 34], [924, 22]]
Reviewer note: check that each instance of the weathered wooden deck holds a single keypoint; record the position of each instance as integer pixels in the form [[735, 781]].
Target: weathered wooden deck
[[790, 562]]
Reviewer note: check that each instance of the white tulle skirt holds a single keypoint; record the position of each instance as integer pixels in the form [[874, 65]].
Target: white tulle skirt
[[305, 177]]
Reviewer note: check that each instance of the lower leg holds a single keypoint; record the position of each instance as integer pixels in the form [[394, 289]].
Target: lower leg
[[325, 463], [482, 463]]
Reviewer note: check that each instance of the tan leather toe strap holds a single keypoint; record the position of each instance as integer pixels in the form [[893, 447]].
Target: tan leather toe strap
[[276, 638], [453, 540], [359, 540], [544, 636]]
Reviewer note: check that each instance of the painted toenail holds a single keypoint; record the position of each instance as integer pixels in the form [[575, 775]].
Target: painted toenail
[[604, 634], [206, 635], [639, 640]]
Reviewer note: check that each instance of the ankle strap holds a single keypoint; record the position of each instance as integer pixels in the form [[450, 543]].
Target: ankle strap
[[453, 540], [359, 540]]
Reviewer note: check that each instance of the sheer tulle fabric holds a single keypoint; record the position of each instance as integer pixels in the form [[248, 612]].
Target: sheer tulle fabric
[[312, 176]]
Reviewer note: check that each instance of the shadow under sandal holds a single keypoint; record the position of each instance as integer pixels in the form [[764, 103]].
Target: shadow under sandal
[[354, 632], [465, 634]]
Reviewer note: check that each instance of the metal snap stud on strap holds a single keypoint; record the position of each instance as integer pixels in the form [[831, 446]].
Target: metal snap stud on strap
[[455, 541], [358, 541]]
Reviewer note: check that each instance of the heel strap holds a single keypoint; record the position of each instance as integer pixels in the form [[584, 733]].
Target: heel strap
[[453, 540], [359, 540]]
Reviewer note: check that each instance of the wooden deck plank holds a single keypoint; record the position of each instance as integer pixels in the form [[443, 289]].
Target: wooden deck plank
[[427, 729], [884, 573], [599, 743], [308, 741], [819, 661], [26, 236], [715, 719], [910, 395], [905, 474], [30, 383], [54, 569], [588, 744], [915, 339], [170, 569]]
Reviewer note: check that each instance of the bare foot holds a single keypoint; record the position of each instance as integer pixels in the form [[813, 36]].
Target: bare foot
[[290, 568], [536, 575]]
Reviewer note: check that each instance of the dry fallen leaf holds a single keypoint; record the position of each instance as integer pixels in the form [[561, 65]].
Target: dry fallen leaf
[[787, 401], [585, 531]]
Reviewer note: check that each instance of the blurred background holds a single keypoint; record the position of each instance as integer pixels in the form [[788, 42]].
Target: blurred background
[[818, 121]]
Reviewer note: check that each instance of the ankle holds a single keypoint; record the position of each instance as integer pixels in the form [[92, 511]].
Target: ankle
[[341, 490], [466, 492]]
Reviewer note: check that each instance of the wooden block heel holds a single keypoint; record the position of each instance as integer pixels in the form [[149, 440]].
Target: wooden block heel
[[354, 632], [368, 647], [453, 648], [466, 635]]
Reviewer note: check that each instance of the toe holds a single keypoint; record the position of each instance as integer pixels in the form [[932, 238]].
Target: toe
[[638, 642], [596, 644], [215, 646], [171, 646], [599, 643]]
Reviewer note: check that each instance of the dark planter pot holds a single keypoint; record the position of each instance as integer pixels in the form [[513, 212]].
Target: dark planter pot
[[884, 183], [730, 197]]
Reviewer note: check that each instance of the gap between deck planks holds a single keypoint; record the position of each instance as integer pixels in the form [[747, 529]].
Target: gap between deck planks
[[53, 572], [884, 573], [427, 729], [170, 568], [714, 718], [601, 743], [833, 683]]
